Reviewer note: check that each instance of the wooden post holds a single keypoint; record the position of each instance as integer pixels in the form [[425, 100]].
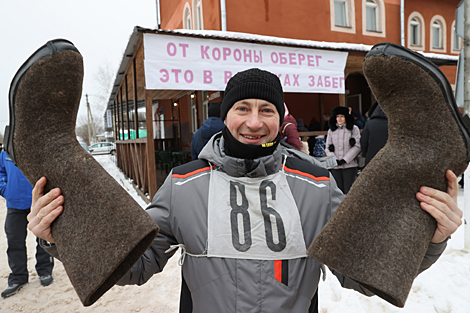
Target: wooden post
[[127, 107], [136, 115], [342, 100], [151, 167]]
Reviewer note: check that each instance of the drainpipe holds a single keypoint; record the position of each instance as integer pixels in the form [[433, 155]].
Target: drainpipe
[[402, 22], [158, 14], [223, 16]]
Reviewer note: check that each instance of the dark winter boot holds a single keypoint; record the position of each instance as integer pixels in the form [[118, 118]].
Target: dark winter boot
[[379, 234], [102, 231]]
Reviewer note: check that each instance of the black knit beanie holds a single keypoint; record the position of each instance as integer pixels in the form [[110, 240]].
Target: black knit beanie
[[253, 84], [214, 109]]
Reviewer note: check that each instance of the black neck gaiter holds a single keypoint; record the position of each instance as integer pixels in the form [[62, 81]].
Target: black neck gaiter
[[236, 149]]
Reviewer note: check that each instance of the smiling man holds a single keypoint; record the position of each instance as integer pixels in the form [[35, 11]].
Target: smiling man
[[244, 213]]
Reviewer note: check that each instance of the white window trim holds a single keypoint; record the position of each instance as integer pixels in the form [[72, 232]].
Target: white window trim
[[442, 21], [420, 18], [351, 17], [380, 22], [452, 40], [195, 15], [187, 8]]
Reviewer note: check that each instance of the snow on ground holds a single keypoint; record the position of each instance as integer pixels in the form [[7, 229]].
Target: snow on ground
[[444, 288]]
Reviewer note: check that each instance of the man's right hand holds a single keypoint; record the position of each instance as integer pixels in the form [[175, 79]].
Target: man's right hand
[[45, 208]]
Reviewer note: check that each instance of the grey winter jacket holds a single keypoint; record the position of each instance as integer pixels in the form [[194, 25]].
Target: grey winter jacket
[[342, 149], [241, 285]]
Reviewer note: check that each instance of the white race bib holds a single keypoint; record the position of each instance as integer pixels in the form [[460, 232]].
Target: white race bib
[[253, 218]]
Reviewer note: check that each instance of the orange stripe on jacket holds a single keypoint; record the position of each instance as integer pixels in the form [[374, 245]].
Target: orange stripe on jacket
[[191, 173], [278, 270], [306, 174]]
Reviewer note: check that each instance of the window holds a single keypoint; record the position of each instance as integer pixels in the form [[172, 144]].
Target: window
[[199, 15], [342, 16], [341, 13], [416, 31], [438, 34], [187, 16], [373, 18], [456, 40]]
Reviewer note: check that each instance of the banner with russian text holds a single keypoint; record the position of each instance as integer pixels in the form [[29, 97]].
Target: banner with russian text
[[189, 63]]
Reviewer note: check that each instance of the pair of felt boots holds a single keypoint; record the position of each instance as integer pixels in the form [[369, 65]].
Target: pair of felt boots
[[377, 237]]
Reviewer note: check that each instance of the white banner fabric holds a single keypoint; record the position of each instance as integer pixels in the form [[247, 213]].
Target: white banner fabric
[[187, 63]]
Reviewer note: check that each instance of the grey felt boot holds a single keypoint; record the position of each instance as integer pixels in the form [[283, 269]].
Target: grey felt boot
[[379, 234], [102, 231]]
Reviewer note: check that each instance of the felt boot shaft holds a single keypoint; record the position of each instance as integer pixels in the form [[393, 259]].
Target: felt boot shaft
[[102, 231], [380, 234]]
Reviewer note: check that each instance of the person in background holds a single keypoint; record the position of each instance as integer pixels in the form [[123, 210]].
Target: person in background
[[16, 189], [301, 125], [343, 142], [375, 133], [289, 131], [1, 147], [211, 126], [326, 118], [313, 126], [359, 120]]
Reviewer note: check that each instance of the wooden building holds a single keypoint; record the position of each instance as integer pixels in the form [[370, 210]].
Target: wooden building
[[147, 116]]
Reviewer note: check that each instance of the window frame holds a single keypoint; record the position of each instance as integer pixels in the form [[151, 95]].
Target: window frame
[[380, 19], [440, 19], [187, 15], [350, 16], [453, 40], [422, 32]]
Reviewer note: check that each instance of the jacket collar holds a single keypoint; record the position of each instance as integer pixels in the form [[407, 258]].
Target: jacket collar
[[214, 153]]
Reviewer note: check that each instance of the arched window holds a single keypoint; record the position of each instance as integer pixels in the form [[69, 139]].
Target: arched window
[[456, 40], [198, 16], [438, 34], [416, 31], [199, 19], [373, 18], [342, 16], [187, 22]]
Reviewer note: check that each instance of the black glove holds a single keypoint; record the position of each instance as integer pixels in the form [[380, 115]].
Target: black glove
[[331, 148], [352, 142], [341, 162]]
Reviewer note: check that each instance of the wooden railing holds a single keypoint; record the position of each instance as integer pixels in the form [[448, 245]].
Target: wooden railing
[[132, 160]]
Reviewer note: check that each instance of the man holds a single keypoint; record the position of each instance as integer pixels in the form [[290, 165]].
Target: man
[[210, 127], [375, 133], [16, 189], [245, 212]]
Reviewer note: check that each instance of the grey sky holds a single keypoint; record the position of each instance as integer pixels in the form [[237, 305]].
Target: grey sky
[[100, 29]]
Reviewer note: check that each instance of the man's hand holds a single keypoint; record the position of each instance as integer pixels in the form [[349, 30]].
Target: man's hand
[[443, 207], [44, 210]]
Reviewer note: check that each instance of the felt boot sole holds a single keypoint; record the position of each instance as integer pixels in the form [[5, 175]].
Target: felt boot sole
[[379, 234], [102, 231]]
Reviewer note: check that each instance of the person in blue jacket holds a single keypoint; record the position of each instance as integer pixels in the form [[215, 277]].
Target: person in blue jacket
[[211, 126], [16, 190]]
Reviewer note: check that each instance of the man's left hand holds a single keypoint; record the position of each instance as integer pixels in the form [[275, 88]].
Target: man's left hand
[[443, 207]]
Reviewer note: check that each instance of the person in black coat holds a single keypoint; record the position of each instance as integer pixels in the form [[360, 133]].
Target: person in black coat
[[375, 133]]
